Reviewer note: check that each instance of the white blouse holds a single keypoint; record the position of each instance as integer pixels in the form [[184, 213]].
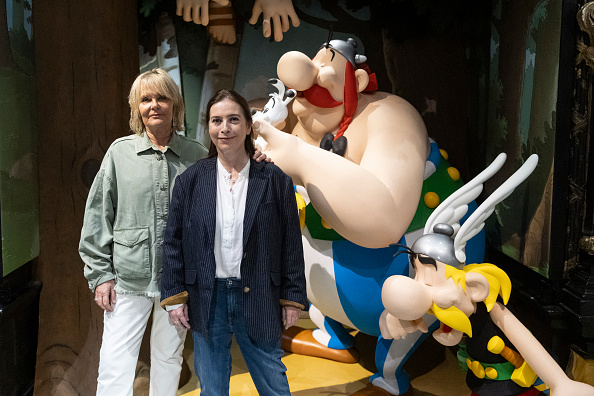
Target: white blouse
[[228, 243]]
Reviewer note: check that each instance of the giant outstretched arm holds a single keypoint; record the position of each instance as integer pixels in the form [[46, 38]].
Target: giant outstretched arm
[[371, 203], [536, 356]]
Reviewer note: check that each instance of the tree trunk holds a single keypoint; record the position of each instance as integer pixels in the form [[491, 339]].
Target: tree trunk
[[515, 21], [86, 56]]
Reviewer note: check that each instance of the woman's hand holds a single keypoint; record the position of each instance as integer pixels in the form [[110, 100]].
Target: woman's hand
[[259, 156], [290, 316], [105, 295], [179, 317]]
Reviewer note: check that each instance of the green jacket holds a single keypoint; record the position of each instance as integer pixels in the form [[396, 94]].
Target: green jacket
[[127, 209]]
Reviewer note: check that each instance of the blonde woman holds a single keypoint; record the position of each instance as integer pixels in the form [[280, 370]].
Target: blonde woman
[[122, 234]]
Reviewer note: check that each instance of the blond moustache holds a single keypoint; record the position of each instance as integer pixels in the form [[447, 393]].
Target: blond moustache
[[453, 317]]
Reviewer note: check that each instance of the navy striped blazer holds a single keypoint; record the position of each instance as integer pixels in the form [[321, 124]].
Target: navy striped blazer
[[272, 268]]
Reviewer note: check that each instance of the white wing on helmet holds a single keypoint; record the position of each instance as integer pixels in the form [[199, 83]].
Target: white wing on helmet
[[475, 223], [455, 206]]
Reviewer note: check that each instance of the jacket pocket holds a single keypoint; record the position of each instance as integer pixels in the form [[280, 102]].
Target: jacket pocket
[[131, 253], [266, 208], [276, 278]]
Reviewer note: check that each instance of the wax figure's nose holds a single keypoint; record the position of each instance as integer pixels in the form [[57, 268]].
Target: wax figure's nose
[[405, 298], [296, 70], [445, 298]]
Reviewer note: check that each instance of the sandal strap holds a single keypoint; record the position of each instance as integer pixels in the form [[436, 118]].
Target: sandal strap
[[221, 22], [225, 10]]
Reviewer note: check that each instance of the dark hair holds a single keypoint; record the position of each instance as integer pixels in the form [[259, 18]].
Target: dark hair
[[247, 113]]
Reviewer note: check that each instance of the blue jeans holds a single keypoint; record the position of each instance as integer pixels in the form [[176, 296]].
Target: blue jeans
[[212, 356]]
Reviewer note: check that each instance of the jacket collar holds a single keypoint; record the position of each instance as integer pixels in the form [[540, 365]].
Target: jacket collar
[[255, 167], [143, 143]]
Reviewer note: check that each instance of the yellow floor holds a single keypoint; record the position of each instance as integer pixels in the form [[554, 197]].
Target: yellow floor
[[433, 370]]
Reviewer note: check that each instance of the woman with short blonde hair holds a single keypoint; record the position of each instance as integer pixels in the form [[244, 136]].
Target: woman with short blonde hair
[[122, 235], [157, 80]]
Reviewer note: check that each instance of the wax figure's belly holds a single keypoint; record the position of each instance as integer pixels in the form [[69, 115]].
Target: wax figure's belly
[[344, 280]]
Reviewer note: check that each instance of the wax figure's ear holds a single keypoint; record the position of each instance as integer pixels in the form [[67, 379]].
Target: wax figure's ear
[[362, 79], [477, 286]]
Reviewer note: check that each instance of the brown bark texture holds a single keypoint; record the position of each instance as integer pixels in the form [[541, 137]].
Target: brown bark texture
[[86, 59]]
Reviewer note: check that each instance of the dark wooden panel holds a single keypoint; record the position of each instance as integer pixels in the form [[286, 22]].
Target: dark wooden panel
[[86, 59]]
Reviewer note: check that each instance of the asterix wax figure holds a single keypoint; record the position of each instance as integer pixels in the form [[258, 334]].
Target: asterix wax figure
[[363, 163], [503, 357]]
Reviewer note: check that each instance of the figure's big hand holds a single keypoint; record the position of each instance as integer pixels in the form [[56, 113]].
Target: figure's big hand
[[392, 327], [278, 143], [105, 295], [568, 387], [196, 10], [275, 13]]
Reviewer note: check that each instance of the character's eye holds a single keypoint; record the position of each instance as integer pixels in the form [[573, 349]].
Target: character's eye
[[162, 98], [269, 105], [333, 53], [426, 260], [235, 120], [215, 121], [145, 99]]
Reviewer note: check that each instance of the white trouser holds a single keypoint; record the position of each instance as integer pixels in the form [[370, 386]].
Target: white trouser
[[122, 335]]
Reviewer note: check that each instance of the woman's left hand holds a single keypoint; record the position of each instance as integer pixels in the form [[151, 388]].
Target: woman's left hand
[[259, 156], [290, 316], [179, 317]]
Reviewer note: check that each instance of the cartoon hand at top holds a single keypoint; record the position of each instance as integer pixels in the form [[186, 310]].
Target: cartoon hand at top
[[196, 10], [275, 13]]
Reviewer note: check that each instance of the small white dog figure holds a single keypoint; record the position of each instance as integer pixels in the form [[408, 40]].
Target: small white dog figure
[[275, 111]]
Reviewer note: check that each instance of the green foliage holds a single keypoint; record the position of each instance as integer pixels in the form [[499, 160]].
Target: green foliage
[[539, 15]]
